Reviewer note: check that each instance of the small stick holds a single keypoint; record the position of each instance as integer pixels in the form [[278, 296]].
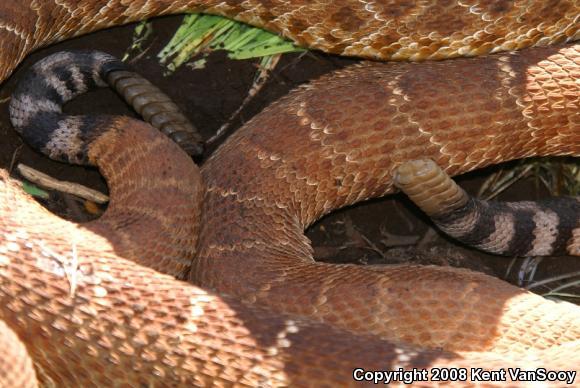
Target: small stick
[[49, 182]]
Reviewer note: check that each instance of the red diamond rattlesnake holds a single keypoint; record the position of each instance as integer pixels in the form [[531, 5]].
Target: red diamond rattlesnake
[[525, 104]]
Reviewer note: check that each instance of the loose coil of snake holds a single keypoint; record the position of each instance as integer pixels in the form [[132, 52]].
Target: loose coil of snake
[[90, 307]]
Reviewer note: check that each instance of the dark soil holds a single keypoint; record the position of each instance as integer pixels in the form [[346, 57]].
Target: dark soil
[[382, 231]]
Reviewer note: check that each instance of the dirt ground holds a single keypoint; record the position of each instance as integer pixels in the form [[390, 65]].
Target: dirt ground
[[382, 231]]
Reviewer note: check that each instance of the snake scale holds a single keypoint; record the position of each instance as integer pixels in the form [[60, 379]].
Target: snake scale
[[88, 315]]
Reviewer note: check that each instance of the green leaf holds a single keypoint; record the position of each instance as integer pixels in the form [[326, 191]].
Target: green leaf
[[34, 190], [200, 34]]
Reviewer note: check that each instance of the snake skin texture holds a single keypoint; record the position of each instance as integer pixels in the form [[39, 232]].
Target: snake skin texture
[[95, 318], [16, 369], [348, 149], [102, 320], [384, 29], [523, 228]]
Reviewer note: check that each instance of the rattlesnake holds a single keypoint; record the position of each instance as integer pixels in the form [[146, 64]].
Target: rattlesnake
[[117, 313]]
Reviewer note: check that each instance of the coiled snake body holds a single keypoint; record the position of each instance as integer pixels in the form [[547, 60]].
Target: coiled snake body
[[90, 316]]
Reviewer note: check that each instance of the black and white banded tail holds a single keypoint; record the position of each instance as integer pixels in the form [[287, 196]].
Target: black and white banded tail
[[526, 228], [36, 104]]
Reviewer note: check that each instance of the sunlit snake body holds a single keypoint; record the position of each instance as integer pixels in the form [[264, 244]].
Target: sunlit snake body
[[344, 135]]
